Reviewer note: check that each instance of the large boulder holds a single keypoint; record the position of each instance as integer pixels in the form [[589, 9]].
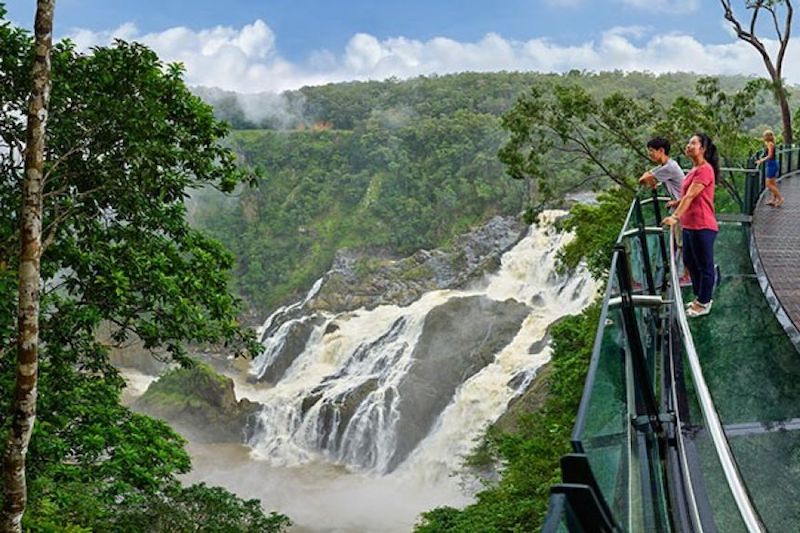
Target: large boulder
[[200, 404], [459, 338]]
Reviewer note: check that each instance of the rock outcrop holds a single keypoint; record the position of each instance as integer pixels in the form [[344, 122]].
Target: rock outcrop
[[199, 403], [459, 338], [361, 279]]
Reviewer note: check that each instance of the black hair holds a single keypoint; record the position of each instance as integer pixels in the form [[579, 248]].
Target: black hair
[[657, 143], [711, 155]]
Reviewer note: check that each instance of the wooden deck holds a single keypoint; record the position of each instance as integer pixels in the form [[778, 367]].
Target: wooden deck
[[776, 235]]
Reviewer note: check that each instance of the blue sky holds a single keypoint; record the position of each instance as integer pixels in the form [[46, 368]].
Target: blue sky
[[250, 45]]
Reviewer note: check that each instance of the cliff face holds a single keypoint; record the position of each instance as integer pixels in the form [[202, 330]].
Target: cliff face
[[361, 280], [358, 279]]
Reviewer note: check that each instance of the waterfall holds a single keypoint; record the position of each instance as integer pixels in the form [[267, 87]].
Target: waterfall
[[407, 389], [266, 329]]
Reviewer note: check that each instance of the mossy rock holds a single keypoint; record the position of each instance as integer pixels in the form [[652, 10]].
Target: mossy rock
[[199, 403]]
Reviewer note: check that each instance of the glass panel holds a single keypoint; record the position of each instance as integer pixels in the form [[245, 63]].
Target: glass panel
[[605, 434], [711, 490], [657, 258], [633, 247], [559, 515], [647, 322], [613, 280], [786, 161], [770, 462]]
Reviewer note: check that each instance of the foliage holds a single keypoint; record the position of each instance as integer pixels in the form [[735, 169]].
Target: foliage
[[344, 106], [596, 228], [393, 189], [518, 502], [126, 140], [199, 508], [719, 112], [564, 137]]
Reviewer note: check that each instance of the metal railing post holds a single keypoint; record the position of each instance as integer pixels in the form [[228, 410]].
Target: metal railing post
[[798, 159], [631, 330], [648, 269], [661, 240]]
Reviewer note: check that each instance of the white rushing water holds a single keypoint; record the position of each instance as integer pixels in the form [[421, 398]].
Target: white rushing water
[[332, 448]]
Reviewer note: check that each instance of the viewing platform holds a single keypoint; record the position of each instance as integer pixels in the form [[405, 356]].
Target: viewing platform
[[776, 233], [694, 424]]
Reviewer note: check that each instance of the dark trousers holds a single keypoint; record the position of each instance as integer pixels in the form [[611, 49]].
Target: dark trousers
[[698, 256]]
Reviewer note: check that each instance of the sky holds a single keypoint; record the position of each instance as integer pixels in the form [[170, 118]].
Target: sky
[[257, 46]]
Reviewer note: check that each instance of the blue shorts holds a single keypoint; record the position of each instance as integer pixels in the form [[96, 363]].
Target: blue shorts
[[771, 169]]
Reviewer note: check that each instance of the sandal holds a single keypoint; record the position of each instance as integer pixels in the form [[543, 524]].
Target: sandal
[[704, 310], [779, 202]]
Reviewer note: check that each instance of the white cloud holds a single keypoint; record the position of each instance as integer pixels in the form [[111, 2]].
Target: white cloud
[[85, 39], [247, 59], [664, 6]]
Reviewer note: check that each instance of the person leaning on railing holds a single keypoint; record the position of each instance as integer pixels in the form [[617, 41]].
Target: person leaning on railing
[[671, 175], [695, 211]]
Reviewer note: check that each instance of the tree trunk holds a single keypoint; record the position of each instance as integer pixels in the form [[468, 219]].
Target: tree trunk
[[24, 407], [786, 114], [775, 69]]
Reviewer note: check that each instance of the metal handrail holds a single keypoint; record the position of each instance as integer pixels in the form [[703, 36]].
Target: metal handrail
[[710, 416], [688, 486]]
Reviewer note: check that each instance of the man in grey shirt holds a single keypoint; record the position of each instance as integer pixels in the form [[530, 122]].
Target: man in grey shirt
[[667, 172], [670, 174]]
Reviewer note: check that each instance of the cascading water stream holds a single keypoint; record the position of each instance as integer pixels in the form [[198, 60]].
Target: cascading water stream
[[407, 389]]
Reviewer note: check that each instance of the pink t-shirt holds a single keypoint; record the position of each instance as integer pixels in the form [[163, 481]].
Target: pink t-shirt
[[700, 214]]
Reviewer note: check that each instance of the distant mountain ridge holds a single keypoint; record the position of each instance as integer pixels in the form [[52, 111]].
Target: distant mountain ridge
[[344, 105]]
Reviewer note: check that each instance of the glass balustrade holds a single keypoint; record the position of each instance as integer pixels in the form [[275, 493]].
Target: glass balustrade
[[681, 424]]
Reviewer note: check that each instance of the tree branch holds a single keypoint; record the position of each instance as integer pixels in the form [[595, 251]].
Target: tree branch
[[596, 160], [63, 158], [630, 142], [785, 39], [52, 228], [775, 22], [14, 142], [750, 37]]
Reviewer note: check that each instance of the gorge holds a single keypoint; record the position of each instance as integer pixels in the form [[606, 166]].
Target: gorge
[[364, 400]]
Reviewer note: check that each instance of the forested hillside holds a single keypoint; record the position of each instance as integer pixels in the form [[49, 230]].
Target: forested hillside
[[387, 167]]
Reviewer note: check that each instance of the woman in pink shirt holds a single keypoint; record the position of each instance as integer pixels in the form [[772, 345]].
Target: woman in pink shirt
[[696, 214]]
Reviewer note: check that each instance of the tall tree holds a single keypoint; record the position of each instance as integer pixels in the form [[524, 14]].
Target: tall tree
[[125, 142], [564, 137], [748, 34], [24, 406]]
